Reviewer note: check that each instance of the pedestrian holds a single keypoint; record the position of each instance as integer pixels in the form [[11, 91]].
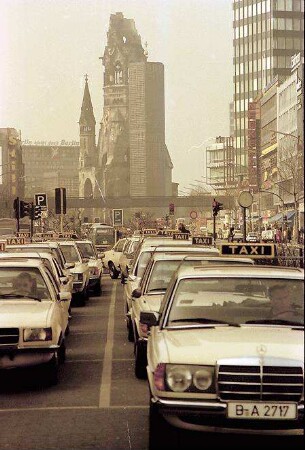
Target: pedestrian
[[278, 235], [182, 229], [289, 235], [231, 234]]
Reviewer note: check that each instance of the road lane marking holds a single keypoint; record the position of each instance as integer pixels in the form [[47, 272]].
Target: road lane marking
[[105, 390], [69, 408]]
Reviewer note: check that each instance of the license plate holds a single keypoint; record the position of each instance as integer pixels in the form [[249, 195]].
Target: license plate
[[266, 411]]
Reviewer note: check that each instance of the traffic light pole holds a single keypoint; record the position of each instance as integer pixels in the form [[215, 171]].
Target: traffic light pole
[[245, 224], [214, 230]]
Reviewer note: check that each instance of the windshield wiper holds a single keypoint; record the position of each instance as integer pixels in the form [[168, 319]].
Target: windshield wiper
[[31, 297], [274, 322], [206, 321]]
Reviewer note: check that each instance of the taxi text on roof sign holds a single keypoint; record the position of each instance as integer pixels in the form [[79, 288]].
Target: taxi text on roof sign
[[202, 240], [2, 246], [181, 236], [149, 231], [251, 250], [23, 234], [15, 241], [166, 232]]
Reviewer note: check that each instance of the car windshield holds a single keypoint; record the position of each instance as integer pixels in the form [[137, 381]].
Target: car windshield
[[161, 275], [86, 249], [142, 263], [70, 253], [22, 283], [104, 237], [239, 301]]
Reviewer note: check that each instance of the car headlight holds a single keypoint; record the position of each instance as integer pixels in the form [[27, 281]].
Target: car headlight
[[202, 379], [182, 378], [179, 378], [37, 334]]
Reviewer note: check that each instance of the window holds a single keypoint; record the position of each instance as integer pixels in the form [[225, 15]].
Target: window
[[281, 24], [281, 43], [245, 30], [268, 6], [259, 8], [254, 9], [288, 5], [297, 5], [289, 43], [289, 24], [296, 24], [263, 6], [281, 5]]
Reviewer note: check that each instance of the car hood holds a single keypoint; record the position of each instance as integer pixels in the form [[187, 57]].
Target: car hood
[[207, 346], [24, 313]]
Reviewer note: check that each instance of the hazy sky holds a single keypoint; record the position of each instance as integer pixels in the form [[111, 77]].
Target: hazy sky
[[48, 45]]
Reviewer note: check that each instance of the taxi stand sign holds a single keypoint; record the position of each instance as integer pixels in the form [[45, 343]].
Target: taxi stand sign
[[251, 250]]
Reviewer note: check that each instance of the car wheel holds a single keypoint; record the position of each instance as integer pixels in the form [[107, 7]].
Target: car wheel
[[98, 288], [113, 271], [50, 372], [140, 361], [161, 433], [130, 329], [82, 298], [62, 353]]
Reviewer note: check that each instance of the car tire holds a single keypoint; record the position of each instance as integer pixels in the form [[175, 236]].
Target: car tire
[[82, 298], [114, 273], [62, 353], [50, 372], [140, 362], [161, 434], [98, 288], [130, 329]]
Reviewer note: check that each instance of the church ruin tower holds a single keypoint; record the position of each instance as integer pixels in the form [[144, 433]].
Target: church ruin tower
[[88, 159], [133, 157], [123, 47]]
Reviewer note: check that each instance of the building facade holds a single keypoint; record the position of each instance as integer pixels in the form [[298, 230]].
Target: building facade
[[47, 167], [220, 163], [11, 170], [267, 33], [133, 156]]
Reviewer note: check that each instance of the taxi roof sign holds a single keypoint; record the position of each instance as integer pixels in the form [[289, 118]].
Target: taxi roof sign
[[250, 250], [15, 241], [168, 233], [23, 234], [202, 240], [2, 246], [181, 236], [149, 231]]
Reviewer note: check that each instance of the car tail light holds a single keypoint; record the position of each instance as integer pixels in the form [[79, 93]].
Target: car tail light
[[159, 377]]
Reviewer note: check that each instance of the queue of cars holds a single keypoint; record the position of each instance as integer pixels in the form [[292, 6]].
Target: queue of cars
[[38, 282], [219, 338]]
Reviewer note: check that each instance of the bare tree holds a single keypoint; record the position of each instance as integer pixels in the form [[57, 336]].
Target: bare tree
[[291, 175]]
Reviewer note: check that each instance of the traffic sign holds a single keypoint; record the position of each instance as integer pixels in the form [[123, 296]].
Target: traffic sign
[[202, 240], [245, 199], [117, 217], [193, 215], [42, 201], [250, 250]]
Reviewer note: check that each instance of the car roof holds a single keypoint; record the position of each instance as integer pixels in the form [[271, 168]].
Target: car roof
[[23, 263], [198, 257], [163, 240], [182, 249], [240, 272], [30, 255]]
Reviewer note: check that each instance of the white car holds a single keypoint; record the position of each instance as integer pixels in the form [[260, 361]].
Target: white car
[[111, 258], [95, 264], [79, 269], [226, 353], [153, 285], [252, 237], [127, 255], [33, 320]]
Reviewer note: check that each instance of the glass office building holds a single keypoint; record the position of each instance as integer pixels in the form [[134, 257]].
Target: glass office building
[[267, 33]]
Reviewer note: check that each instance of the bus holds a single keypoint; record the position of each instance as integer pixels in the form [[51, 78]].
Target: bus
[[102, 235]]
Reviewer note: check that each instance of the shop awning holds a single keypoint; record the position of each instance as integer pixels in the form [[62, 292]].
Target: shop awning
[[279, 217]]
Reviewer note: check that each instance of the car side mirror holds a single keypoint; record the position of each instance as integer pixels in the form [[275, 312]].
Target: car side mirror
[[64, 296], [69, 265], [136, 293], [150, 318], [64, 280]]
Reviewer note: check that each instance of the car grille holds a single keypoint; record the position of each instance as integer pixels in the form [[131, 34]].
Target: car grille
[[269, 383], [9, 336]]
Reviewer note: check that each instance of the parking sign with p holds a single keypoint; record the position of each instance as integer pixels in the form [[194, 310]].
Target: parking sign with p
[[41, 200]]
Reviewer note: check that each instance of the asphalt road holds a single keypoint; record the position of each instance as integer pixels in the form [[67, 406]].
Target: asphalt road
[[98, 403]]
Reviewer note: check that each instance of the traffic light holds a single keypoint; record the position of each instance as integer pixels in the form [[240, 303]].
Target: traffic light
[[36, 212], [217, 206], [60, 201], [171, 209], [16, 205], [25, 209]]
